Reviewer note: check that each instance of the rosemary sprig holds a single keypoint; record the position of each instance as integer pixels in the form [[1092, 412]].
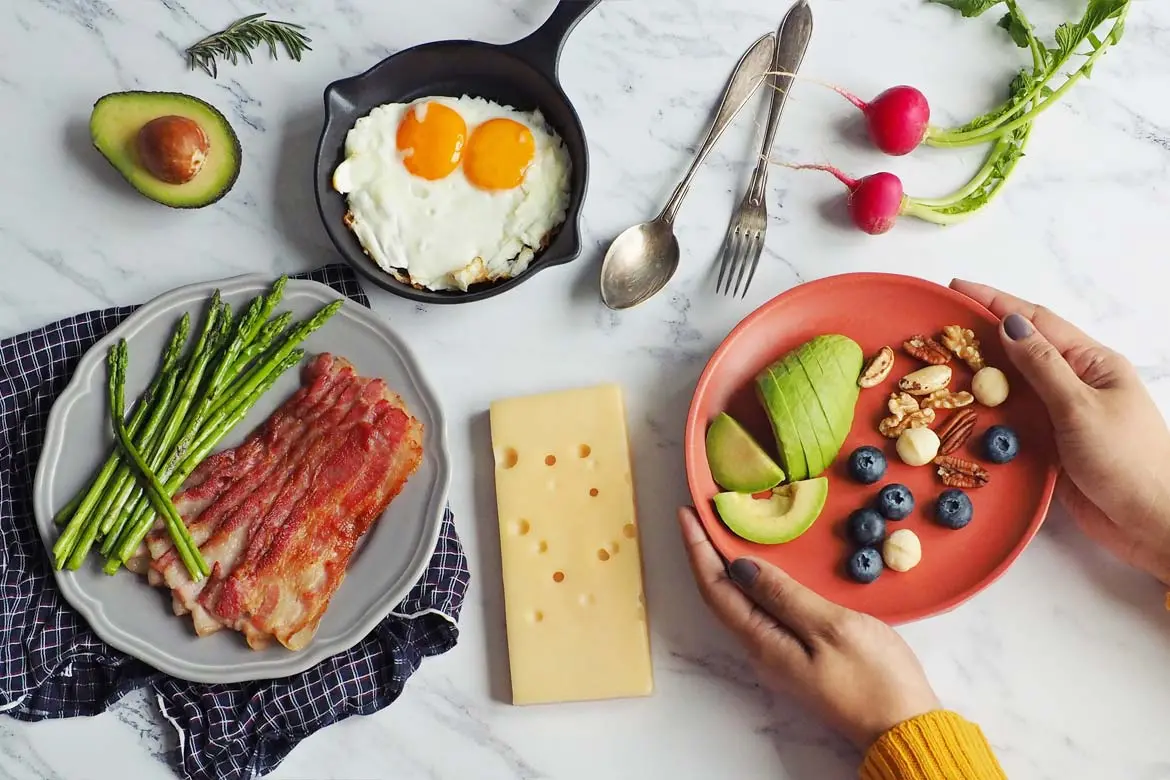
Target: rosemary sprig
[[241, 37]]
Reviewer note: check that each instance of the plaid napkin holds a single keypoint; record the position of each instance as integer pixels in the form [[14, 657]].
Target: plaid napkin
[[52, 665]]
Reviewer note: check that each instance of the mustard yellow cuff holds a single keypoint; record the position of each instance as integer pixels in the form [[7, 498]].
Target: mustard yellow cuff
[[939, 745]]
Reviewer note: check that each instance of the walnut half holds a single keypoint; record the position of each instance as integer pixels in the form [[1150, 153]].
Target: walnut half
[[904, 414], [964, 344]]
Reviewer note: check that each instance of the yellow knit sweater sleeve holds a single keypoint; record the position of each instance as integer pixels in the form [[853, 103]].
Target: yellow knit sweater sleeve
[[939, 745]]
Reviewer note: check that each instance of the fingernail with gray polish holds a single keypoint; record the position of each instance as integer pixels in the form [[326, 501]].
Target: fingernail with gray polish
[[1016, 327], [743, 572]]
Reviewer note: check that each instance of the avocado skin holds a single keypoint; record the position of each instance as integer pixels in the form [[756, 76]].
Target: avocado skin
[[117, 146]]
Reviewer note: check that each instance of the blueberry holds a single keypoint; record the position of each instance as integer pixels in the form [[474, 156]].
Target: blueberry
[[866, 527], [866, 565], [954, 509], [895, 502], [1000, 444], [867, 464]]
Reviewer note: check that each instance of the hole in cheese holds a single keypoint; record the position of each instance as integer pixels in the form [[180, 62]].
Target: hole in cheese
[[629, 531], [508, 458], [520, 527], [537, 616], [593, 492], [558, 576], [584, 450], [614, 547], [550, 460], [603, 554], [542, 547]]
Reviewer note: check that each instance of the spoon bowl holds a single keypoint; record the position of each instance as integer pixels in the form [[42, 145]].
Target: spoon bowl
[[639, 263], [642, 259]]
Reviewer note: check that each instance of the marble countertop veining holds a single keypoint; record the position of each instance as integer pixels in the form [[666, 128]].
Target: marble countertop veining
[[1065, 661]]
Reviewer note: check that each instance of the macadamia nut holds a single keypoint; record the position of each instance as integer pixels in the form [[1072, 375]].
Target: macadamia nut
[[990, 386], [918, 446], [902, 550]]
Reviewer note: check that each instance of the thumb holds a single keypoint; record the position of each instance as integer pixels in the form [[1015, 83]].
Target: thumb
[[1041, 363], [808, 616]]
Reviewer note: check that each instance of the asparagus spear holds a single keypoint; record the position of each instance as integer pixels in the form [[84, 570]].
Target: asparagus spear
[[298, 334], [184, 544], [130, 492], [78, 511], [122, 485], [205, 437], [172, 480], [249, 326], [264, 338]]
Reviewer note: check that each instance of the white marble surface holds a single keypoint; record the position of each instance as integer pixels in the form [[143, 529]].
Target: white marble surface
[[1065, 661]]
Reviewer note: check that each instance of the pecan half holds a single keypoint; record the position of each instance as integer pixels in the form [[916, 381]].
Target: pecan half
[[927, 350], [954, 433], [960, 473], [964, 344], [877, 369], [945, 399]]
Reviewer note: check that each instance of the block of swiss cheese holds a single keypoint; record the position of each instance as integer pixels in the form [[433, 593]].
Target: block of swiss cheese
[[572, 565]]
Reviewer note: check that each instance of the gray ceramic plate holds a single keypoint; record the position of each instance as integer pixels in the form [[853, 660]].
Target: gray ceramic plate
[[136, 618]]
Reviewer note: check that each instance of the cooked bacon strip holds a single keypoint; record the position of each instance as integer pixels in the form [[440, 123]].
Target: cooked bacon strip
[[223, 529], [321, 377], [403, 463], [278, 517], [287, 587], [271, 505]]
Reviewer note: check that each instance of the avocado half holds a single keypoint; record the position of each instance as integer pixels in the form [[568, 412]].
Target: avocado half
[[114, 125]]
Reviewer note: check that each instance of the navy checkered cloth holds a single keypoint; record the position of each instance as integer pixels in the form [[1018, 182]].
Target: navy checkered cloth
[[53, 666]]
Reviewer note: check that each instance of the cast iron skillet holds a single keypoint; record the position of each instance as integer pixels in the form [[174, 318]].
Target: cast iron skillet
[[522, 74]]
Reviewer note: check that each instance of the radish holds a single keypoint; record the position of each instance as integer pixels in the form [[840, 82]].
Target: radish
[[876, 201], [898, 119]]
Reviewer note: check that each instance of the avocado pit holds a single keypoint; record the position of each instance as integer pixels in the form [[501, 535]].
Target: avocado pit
[[172, 148]]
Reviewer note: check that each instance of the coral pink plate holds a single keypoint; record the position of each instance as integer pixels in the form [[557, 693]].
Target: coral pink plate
[[875, 310]]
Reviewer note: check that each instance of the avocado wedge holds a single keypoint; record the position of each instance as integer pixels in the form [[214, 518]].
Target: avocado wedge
[[812, 394], [797, 394], [838, 407], [737, 462], [786, 514], [788, 441], [173, 148]]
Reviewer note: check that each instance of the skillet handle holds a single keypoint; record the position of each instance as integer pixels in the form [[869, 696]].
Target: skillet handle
[[543, 47]]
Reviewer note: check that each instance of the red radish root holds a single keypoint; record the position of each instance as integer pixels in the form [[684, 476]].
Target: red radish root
[[898, 119], [874, 201]]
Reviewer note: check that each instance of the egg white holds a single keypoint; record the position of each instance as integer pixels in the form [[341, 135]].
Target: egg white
[[447, 233]]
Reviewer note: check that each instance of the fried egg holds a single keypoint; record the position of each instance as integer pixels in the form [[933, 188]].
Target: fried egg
[[446, 192]]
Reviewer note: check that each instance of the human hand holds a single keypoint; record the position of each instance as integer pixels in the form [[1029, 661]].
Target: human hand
[[850, 669], [1113, 442]]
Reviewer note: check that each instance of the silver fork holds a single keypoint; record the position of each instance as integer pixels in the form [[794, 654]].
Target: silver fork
[[744, 242]]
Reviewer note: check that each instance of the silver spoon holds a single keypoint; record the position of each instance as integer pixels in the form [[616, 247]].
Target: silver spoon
[[642, 259]]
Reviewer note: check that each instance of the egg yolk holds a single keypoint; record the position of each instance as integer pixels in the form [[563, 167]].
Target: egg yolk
[[431, 137], [498, 154]]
